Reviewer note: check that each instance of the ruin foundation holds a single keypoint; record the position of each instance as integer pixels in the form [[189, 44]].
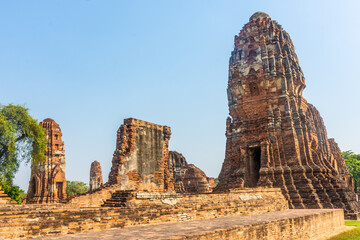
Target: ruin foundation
[[138, 209]]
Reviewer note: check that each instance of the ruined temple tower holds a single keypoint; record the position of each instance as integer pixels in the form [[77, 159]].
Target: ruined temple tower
[[48, 182], [274, 137], [96, 177]]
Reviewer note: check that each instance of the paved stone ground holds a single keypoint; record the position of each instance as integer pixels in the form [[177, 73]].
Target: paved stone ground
[[182, 229]]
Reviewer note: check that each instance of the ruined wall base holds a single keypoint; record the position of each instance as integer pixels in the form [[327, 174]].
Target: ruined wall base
[[320, 224], [147, 208]]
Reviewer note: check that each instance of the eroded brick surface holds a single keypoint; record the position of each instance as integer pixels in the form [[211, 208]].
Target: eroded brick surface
[[274, 137], [141, 157], [187, 177], [48, 182], [301, 224]]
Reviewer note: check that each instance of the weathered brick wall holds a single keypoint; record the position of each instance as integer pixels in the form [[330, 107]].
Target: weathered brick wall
[[308, 227], [22, 223], [140, 160]]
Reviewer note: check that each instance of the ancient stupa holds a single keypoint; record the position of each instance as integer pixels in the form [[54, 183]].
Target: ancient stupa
[[274, 137], [48, 183]]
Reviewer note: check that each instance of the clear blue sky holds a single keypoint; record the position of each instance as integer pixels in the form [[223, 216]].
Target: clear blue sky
[[90, 64]]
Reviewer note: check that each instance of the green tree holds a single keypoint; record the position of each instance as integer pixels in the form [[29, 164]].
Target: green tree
[[76, 187], [352, 161], [22, 138], [14, 192]]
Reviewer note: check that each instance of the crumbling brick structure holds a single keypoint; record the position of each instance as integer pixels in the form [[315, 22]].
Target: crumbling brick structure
[[187, 177], [48, 182], [344, 173], [195, 180], [140, 161], [96, 178], [177, 168], [274, 137]]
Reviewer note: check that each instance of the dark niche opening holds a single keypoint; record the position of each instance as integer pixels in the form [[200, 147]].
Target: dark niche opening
[[252, 55], [254, 90], [59, 187], [34, 185], [254, 166]]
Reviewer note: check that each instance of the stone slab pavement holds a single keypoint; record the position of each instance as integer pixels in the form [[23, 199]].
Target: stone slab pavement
[[189, 228]]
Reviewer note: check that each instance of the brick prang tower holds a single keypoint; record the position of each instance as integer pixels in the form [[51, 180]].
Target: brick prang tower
[[48, 182], [274, 137]]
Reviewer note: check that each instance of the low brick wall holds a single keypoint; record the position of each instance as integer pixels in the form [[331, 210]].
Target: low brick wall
[[317, 225], [304, 224], [146, 209]]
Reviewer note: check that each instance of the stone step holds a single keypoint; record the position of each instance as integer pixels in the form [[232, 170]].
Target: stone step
[[119, 198]]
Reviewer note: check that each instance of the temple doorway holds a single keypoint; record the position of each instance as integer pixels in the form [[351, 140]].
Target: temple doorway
[[59, 188], [34, 185], [254, 166]]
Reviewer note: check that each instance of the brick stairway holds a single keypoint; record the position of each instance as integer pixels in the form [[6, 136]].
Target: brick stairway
[[119, 198]]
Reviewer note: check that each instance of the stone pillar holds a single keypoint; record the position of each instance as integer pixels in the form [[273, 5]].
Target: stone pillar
[[96, 178]]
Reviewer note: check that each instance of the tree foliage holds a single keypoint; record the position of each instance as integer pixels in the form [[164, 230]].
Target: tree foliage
[[76, 187], [352, 161], [14, 192], [22, 138]]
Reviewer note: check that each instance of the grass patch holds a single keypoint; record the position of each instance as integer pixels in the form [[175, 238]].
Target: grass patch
[[353, 234]]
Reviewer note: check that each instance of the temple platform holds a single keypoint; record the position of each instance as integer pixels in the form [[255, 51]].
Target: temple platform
[[314, 224]]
